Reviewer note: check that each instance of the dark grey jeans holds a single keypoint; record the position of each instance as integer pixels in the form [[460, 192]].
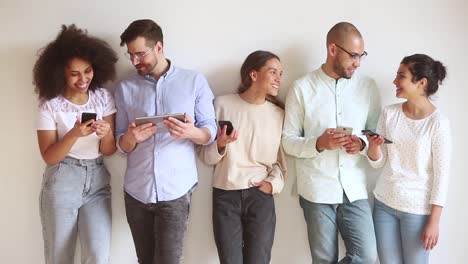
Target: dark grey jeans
[[158, 229], [244, 225]]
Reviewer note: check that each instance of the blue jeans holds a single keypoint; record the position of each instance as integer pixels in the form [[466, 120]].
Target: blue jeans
[[75, 201], [399, 236], [354, 222]]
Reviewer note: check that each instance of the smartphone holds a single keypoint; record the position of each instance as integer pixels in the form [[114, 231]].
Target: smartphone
[[229, 128], [88, 116], [372, 133], [344, 130]]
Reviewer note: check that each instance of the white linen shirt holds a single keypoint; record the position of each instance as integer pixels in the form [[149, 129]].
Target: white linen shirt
[[417, 164], [317, 102]]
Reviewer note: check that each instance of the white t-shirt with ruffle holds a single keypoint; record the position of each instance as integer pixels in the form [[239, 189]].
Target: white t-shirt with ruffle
[[60, 114]]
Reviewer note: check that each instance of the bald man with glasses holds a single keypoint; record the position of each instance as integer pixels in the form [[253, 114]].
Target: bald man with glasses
[[321, 108]]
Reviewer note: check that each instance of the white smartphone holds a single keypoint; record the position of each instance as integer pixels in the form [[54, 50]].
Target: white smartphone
[[344, 130], [158, 120]]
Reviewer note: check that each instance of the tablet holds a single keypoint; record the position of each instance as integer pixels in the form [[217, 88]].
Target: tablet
[[158, 120]]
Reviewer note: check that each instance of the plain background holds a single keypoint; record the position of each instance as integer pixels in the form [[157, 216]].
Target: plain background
[[214, 37]]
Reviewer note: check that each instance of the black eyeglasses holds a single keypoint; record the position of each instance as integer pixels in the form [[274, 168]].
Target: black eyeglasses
[[354, 56]]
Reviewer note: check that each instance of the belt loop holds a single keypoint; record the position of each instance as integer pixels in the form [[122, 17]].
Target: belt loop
[[84, 162]]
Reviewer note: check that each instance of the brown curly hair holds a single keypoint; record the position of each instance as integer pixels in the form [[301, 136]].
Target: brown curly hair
[[72, 42]]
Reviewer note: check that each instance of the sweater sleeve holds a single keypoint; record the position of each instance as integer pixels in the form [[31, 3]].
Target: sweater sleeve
[[278, 173], [209, 154]]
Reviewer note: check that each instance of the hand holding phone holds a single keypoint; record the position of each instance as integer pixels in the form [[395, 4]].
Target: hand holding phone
[[332, 139], [88, 116], [228, 124], [223, 139], [369, 132], [344, 130]]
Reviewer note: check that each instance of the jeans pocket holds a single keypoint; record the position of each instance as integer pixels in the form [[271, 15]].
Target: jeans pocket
[[221, 193], [257, 190], [101, 177], [50, 174]]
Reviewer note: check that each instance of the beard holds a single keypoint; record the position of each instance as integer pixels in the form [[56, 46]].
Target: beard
[[145, 69], [341, 71]]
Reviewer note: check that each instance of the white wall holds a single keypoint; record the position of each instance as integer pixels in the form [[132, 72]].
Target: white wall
[[214, 37]]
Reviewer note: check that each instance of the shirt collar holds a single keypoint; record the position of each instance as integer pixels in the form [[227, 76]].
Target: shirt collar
[[171, 70], [324, 76], [166, 75], [327, 78]]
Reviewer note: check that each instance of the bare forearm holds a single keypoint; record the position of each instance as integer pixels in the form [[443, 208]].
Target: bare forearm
[[436, 212], [221, 149], [57, 151], [107, 145], [374, 153], [201, 136], [319, 146], [126, 143]]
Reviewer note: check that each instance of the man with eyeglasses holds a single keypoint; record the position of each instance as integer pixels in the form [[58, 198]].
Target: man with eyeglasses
[[330, 164], [161, 171]]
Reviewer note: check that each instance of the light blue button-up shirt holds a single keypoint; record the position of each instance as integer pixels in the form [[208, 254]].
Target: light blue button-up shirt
[[163, 168], [317, 102]]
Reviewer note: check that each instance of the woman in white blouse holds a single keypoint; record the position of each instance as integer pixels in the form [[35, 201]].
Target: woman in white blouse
[[75, 195], [249, 163], [412, 189]]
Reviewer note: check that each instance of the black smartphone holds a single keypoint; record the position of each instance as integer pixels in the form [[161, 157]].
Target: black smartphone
[[372, 133], [228, 124], [88, 116]]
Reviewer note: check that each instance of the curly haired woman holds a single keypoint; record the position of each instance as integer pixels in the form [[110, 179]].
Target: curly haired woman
[[75, 199]]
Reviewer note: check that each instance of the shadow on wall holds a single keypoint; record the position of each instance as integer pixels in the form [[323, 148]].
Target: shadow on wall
[[122, 74], [224, 79], [199, 242], [296, 62]]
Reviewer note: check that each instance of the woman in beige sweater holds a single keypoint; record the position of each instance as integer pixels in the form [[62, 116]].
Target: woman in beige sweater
[[249, 163]]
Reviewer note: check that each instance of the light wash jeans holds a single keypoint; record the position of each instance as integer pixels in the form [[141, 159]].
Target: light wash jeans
[[399, 236], [352, 220], [76, 200]]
